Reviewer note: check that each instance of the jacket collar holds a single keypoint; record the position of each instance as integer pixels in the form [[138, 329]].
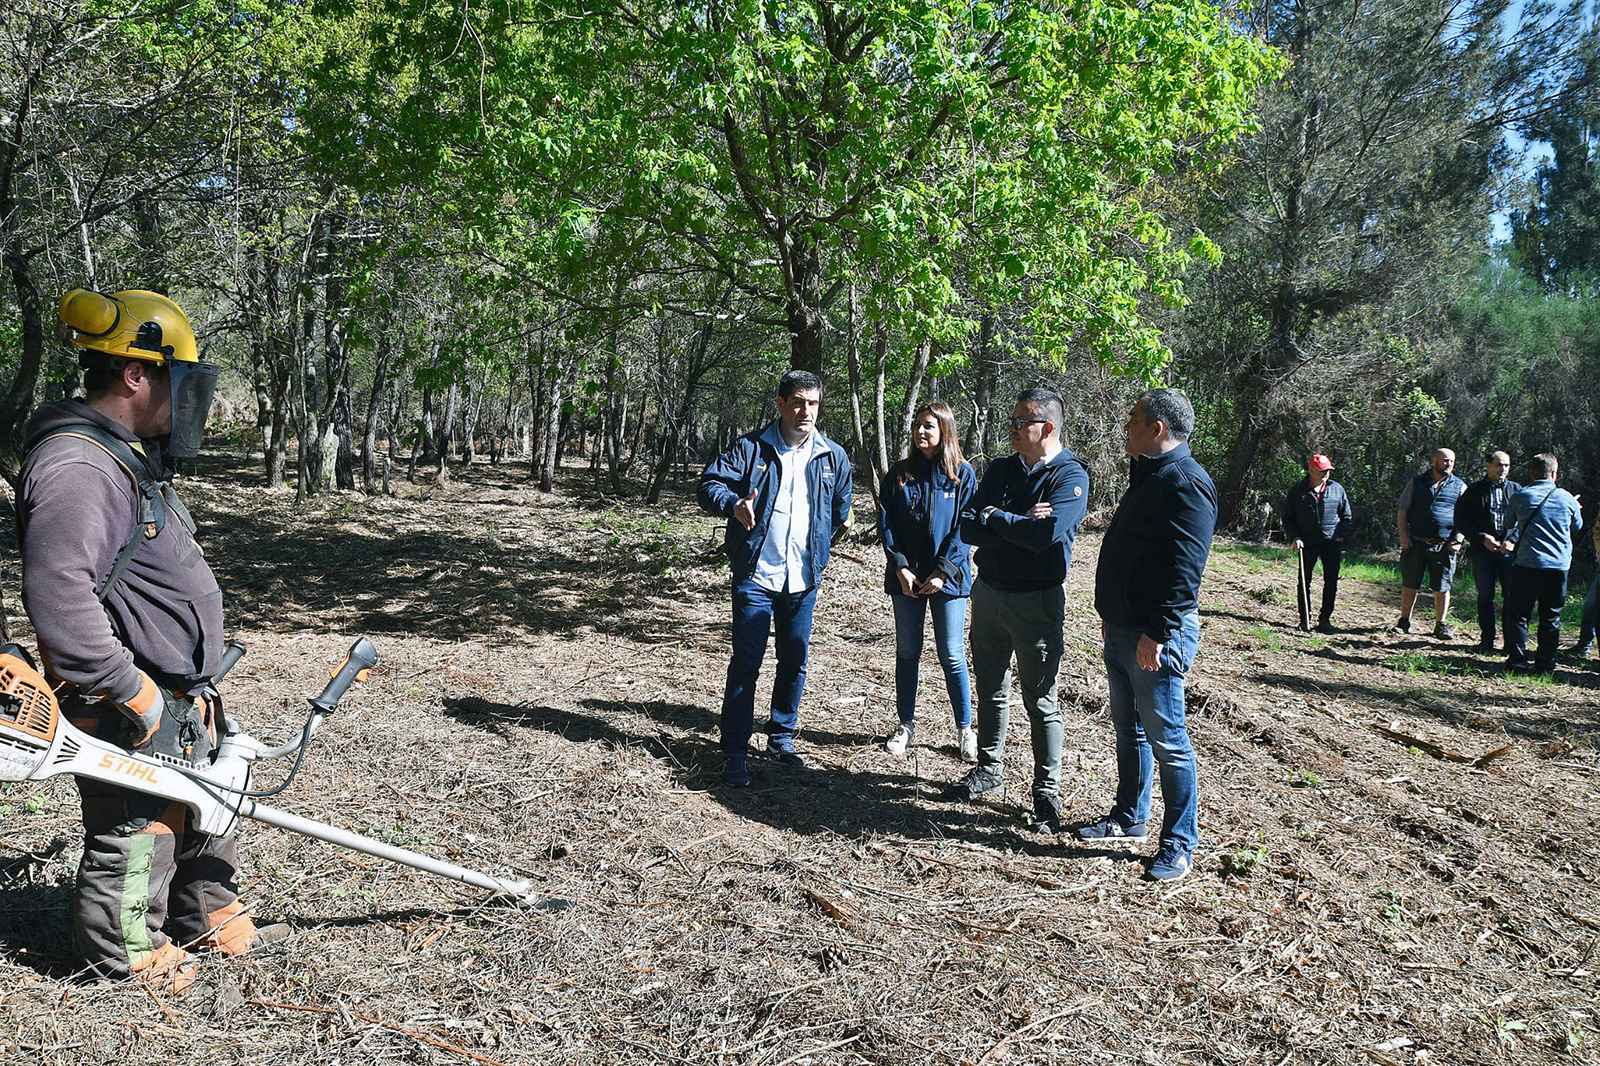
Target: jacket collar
[[1146, 465]]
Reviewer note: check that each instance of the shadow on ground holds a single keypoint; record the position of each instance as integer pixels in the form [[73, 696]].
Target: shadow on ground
[[813, 800]]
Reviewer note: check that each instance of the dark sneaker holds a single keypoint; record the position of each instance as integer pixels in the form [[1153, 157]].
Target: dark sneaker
[[734, 772], [1486, 646], [783, 751], [1172, 863], [1401, 626], [1325, 626], [1442, 631], [1108, 830], [1047, 813], [1578, 654], [977, 782]]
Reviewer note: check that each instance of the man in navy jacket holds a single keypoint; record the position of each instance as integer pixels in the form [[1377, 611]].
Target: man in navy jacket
[[1147, 589], [1318, 518], [1022, 521], [785, 491]]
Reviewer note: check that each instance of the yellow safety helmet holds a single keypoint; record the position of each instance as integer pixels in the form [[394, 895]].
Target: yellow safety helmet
[[133, 324], [137, 324]]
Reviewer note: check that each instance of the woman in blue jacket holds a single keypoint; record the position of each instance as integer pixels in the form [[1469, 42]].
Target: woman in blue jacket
[[929, 568]]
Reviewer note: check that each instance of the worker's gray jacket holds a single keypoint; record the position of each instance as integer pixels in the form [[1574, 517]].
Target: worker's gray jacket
[[75, 511]]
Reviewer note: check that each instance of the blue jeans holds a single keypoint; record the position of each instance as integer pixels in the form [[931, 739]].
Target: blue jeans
[[1147, 712], [756, 611], [949, 618], [1586, 621], [1490, 569]]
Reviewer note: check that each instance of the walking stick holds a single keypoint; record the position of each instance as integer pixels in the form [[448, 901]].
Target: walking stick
[[1305, 588]]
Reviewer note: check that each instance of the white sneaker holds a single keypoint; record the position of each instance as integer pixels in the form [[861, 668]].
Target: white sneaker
[[969, 745], [899, 740]]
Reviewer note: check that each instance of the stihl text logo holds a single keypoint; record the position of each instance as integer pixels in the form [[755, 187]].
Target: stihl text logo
[[127, 767]]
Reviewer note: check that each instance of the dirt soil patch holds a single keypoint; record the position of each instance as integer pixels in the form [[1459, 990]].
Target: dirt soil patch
[[1399, 864]]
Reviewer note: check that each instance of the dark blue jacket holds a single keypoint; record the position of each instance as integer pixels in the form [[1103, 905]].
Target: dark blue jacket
[[1017, 553], [1474, 517], [752, 463], [1432, 513], [1302, 521], [1154, 554], [920, 524]]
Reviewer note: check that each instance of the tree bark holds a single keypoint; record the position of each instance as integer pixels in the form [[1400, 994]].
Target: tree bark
[[919, 368], [369, 430], [979, 430]]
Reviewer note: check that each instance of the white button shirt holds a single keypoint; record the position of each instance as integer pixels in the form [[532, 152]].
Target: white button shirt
[[781, 567]]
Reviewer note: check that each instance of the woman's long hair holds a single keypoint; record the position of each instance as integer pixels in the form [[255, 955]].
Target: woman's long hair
[[949, 456]]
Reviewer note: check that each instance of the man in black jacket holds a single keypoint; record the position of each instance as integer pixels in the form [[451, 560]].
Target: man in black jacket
[[1318, 518], [1483, 517], [1022, 521], [1146, 589]]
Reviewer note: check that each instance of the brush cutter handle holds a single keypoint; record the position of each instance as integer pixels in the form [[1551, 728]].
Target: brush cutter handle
[[363, 657], [233, 652]]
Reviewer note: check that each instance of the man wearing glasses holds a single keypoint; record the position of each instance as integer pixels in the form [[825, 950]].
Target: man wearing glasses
[[1022, 521]]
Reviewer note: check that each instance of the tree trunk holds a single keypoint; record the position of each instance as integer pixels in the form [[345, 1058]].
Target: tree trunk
[[369, 429], [880, 360], [17, 403], [908, 409], [804, 310], [979, 430], [858, 435]]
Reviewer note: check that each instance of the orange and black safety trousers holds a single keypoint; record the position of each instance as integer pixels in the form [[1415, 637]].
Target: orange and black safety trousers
[[150, 885]]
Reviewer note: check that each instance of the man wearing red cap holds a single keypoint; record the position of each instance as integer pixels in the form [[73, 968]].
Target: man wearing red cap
[[1318, 518]]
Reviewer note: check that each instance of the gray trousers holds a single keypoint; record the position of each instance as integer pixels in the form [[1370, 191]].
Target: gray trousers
[[1027, 625]]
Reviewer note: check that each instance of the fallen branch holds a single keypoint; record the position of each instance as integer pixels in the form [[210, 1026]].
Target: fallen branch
[[1489, 756], [1439, 751], [829, 908], [391, 1026]]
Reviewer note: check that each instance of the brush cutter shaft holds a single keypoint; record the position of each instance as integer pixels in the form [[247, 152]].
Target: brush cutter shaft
[[37, 741], [367, 846]]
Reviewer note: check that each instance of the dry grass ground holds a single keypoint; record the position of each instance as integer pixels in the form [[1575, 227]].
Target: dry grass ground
[[546, 707]]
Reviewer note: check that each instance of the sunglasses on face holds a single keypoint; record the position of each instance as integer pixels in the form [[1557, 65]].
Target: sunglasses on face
[[1018, 423]]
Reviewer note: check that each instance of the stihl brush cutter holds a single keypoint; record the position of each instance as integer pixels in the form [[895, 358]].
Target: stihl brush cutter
[[37, 742]]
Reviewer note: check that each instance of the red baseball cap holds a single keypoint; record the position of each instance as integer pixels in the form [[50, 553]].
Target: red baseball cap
[[1321, 462]]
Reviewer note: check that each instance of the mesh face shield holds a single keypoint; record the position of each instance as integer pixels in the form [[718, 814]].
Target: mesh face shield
[[192, 387]]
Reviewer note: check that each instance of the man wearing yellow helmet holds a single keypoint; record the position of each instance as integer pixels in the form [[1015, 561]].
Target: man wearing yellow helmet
[[129, 624]]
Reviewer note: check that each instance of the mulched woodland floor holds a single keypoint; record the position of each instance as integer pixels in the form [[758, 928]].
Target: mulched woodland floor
[[546, 707]]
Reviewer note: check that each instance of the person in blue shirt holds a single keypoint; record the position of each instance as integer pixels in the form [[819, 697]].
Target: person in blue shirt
[[1545, 521], [1429, 540], [786, 493], [929, 569]]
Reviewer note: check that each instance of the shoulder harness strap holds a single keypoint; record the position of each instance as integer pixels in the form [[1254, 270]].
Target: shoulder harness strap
[[153, 496]]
